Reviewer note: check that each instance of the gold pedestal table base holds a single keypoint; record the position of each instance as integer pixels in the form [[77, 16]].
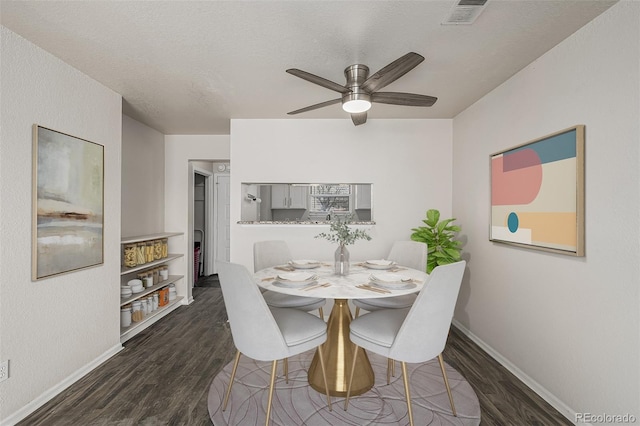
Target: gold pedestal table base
[[338, 353]]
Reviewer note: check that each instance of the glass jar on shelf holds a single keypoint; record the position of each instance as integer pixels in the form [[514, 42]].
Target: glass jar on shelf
[[165, 247], [149, 251], [164, 273], [141, 256], [157, 249], [130, 259], [137, 314], [148, 279], [125, 316]]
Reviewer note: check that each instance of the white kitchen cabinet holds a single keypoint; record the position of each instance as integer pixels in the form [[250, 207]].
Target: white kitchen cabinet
[[363, 197], [285, 196]]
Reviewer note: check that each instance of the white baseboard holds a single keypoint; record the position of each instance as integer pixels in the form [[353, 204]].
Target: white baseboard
[[535, 386], [68, 381]]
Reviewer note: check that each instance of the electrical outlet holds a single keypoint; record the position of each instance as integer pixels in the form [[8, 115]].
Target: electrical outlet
[[4, 370]]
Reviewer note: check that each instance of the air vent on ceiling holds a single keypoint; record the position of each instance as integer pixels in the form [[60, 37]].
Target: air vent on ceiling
[[465, 12]]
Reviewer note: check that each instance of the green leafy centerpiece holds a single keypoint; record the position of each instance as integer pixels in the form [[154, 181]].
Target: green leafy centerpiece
[[341, 233]]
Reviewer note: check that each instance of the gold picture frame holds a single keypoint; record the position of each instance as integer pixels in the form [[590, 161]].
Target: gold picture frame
[[537, 193], [68, 203]]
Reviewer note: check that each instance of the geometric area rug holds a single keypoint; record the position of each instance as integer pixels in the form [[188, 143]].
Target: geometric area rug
[[296, 403]]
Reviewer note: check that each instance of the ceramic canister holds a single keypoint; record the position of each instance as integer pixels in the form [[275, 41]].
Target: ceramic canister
[[164, 273], [125, 316]]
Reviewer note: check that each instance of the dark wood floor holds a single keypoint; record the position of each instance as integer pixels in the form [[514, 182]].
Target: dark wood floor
[[163, 375]]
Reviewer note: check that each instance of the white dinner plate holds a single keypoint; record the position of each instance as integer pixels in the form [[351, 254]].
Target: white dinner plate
[[392, 281], [297, 277], [304, 264], [379, 264], [293, 284]]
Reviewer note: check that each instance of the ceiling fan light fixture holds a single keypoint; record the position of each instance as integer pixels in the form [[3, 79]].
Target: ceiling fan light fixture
[[361, 89], [356, 102], [356, 106]]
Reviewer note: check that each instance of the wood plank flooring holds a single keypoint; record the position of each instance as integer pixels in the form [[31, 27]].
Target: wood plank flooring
[[162, 377]]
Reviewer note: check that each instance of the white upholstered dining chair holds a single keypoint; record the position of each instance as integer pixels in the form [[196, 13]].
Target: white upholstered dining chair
[[411, 254], [273, 253], [263, 333], [415, 334]]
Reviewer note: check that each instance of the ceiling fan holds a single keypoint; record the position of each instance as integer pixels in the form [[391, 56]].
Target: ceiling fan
[[362, 89]]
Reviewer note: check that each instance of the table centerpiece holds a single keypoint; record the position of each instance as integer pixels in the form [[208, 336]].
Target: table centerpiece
[[341, 233]]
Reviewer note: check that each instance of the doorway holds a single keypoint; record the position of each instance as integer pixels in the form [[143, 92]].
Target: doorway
[[209, 218], [202, 223]]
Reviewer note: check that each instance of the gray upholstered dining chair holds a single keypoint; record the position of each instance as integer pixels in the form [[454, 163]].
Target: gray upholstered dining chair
[[273, 253], [263, 333], [415, 334], [411, 254]]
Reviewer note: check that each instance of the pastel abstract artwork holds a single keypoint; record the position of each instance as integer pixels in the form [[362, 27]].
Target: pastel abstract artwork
[[68, 203], [537, 193]]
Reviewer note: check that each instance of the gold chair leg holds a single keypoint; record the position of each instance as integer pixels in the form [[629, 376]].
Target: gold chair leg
[[321, 312], [406, 391], [233, 375], [274, 365], [391, 369], [353, 367], [446, 383], [324, 376], [357, 312], [285, 369]]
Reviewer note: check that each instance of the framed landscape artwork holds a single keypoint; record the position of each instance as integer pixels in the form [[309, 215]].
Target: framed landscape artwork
[[68, 198], [537, 193]]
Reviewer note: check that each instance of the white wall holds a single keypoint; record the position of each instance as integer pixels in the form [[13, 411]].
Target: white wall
[[142, 179], [53, 330], [570, 325], [407, 161], [179, 151]]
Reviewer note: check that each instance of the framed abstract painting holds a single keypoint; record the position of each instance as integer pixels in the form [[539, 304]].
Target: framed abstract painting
[[68, 198], [537, 193]]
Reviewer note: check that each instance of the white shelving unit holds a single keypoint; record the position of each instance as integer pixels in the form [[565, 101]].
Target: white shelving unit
[[124, 270], [128, 240], [127, 274]]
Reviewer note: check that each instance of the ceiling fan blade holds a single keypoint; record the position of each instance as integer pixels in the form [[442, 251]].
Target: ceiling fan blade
[[392, 72], [318, 80], [316, 106], [409, 99], [359, 118]]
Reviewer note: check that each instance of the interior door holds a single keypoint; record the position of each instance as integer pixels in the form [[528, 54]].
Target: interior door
[[222, 218]]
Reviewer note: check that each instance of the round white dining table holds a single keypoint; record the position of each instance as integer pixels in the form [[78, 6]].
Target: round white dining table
[[338, 350]]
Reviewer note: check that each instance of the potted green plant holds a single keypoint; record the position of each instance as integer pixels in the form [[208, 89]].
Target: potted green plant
[[341, 233], [439, 237]]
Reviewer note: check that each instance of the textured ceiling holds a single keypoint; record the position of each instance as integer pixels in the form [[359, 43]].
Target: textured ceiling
[[188, 67]]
